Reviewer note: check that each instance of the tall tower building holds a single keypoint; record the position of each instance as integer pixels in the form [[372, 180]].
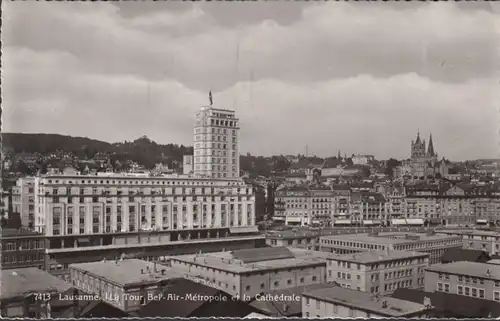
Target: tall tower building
[[216, 147]]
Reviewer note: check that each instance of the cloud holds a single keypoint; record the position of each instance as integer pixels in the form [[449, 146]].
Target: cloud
[[335, 76]]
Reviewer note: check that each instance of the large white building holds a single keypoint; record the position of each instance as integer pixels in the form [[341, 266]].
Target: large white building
[[113, 203], [216, 150]]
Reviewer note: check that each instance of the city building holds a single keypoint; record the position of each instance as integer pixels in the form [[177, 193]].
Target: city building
[[346, 303], [307, 239], [5, 203], [246, 273], [454, 205], [26, 292], [304, 205], [378, 272], [487, 241], [22, 248], [23, 200], [362, 159], [216, 150], [126, 284], [430, 243], [477, 280], [187, 165], [370, 208]]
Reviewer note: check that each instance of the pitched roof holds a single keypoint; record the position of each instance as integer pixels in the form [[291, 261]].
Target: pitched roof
[[456, 255], [178, 308], [451, 305], [285, 306]]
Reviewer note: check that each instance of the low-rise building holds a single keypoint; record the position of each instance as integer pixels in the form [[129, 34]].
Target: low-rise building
[[125, 284], [430, 243], [28, 292], [246, 273], [378, 272], [477, 280], [22, 248], [488, 241], [346, 303]]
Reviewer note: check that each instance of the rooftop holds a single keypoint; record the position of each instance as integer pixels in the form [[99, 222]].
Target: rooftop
[[377, 256], [242, 261], [474, 269], [366, 301], [19, 282], [388, 238], [128, 272]]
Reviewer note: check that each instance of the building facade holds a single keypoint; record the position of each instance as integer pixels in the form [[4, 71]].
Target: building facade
[[434, 245], [216, 148], [477, 280], [23, 200], [22, 249], [378, 272], [247, 273]]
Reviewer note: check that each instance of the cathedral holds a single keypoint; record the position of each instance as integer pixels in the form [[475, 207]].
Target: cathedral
[[421, 154], [423, 162]]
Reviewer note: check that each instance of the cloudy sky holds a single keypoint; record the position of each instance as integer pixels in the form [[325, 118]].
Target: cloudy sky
[[359, 77]]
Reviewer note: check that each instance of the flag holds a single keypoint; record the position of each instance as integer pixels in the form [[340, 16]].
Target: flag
[[210, 97]]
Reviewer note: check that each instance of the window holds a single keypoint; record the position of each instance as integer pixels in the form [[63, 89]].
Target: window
[[474, 292], [496, 296], [460, 290], [307, 301], [440, 286], [481, 293], [467, 291]]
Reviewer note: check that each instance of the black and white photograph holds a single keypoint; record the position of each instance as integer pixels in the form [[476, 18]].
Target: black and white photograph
[[250, 159]]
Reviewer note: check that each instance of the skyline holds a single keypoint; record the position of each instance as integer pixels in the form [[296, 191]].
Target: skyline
[[115, 72]]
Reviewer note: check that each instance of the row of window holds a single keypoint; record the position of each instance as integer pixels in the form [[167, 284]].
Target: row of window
[[124, 181]]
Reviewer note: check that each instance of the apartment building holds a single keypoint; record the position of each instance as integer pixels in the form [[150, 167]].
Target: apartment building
[[478, 280], [216, 150], [23, 200], [430, 243], [378, 272], [459, 204], [347, 303], [125, 284], [299, 239], [246, 273]]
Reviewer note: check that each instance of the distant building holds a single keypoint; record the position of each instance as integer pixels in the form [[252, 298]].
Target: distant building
[[487, 241], [216, 148], [187, 164], [362, 159], [299, 239], [246, 273], [22, 249], [477, 280], [378, 272], [23, 200], [434, 245], [346, 303], [126, 284], [26, 292], [457, 255]]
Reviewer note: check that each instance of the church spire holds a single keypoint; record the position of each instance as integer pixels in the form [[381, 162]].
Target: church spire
[[430, 148], [418, 138], [338, 156]]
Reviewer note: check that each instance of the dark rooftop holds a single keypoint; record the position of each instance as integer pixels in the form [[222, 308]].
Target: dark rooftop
[[19, 282], [456, 255], [262, 254]]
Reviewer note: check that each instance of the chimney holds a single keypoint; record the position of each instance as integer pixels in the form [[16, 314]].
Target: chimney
[[285, 307], [163, 271], [384, 304], [427, 302]]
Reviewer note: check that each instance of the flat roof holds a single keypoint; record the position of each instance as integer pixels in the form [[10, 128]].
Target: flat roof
[[365, 301], [225, 261], [20, 282], [474, 269], [128, 271], [377, 256], [385, 238]]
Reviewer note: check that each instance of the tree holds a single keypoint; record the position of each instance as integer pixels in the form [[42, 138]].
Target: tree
[[390, 165]]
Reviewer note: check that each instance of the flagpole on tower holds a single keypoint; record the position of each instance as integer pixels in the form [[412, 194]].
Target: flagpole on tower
[[210, 98]]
